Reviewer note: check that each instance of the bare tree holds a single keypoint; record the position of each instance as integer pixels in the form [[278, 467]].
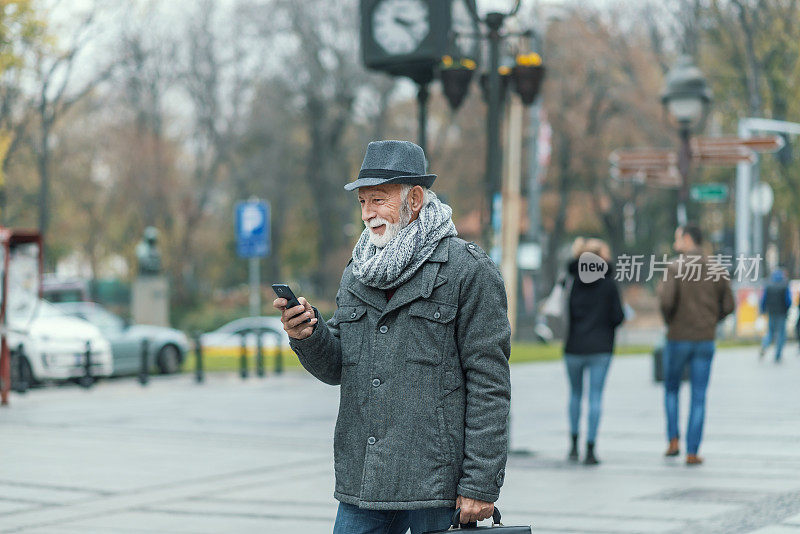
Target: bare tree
[[596, 102], [218, 76], [57, 91], [326, 74]]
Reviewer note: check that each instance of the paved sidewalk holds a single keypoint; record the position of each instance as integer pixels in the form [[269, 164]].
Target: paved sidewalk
[[255, 456]]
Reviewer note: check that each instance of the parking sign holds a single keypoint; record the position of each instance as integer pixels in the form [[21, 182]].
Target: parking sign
[[252, 229]]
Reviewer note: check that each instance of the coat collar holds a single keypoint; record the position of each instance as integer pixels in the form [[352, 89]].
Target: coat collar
[[420, 285]]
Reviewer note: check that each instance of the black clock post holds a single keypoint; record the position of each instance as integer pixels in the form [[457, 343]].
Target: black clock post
[[418, 38], [407, 38]]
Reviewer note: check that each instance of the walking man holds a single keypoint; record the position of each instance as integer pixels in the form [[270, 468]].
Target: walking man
[[695, 296], [775, 302], [419, 343]]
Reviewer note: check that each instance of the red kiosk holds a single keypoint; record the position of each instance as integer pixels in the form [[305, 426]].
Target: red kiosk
[[21, 263]]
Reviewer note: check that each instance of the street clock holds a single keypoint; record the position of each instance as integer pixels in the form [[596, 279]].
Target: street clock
[[410, 37], [400, 26]]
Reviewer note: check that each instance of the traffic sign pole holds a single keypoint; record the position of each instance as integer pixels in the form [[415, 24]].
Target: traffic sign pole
[[748, 224], [252, 242], [255, 286]]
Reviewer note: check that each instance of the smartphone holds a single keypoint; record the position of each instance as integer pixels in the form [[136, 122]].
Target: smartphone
[[285, 292]]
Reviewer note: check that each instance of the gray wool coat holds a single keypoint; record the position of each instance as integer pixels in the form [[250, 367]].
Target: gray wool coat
[[425, 387]]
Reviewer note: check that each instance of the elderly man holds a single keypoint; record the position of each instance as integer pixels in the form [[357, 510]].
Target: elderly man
[[419, 342]]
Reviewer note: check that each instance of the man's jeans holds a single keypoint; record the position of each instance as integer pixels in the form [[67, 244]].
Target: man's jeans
[[698, 354], [777, 333], [597, 364], [354, 520]]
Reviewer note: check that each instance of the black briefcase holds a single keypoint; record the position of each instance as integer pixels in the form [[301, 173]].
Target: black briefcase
[[497, 526]]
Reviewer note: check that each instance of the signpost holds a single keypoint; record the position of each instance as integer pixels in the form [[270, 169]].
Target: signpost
[[709, 193], [252, 242]]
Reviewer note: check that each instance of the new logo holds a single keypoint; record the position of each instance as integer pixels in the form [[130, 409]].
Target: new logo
[[591, 267]]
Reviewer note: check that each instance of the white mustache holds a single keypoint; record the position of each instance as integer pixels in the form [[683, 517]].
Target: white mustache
[[377, 221]]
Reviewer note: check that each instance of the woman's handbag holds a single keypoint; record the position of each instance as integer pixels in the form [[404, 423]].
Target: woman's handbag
[[469, 527], [554, 303]]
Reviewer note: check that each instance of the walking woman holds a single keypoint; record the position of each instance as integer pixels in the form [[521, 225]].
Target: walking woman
[[593, 311]]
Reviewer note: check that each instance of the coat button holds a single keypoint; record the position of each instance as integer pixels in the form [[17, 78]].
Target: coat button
[[437, 315], [471, 245], [376, 382], [371, 440], [353, 315], [384, 329]]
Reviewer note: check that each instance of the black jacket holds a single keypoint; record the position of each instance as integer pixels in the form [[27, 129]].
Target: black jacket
[[595, 311]]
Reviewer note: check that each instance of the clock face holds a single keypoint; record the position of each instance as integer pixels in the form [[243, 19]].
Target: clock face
[[465, 29], [400, 26]]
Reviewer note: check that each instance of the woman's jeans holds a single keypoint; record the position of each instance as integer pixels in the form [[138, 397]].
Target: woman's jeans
[[777, 333], [597, 364], [698, 355], [354, 520]]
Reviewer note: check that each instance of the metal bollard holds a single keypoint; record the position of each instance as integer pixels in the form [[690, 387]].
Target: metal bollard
[[144, 363], [21, 384], [198, 354], [279, 358], [259, 354], [87, 380], [243, 357]]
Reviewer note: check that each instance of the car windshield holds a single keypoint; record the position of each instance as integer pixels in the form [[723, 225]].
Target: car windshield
[[45, 309], [272, 324], [241, 324], [97, 315], [40, 309]]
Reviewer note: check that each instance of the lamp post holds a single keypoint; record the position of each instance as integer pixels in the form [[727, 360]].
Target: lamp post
[[527, 78], [686, 98]]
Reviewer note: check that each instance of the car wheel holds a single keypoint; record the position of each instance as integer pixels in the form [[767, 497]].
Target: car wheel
[[21, 374], [169, 359]]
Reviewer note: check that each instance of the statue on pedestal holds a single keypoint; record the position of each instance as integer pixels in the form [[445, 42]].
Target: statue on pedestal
[[150, 290], [147, 254]]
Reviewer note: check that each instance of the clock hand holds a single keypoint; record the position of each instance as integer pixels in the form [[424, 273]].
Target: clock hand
[[407, 26]]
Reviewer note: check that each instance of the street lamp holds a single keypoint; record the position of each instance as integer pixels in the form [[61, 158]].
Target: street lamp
[[486, 15], [686, 98]]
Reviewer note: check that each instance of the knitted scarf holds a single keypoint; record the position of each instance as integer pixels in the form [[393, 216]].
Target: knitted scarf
[[394, 264]]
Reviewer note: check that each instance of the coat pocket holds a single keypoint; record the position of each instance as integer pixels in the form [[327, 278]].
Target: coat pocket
[[351, 321], [428, 330], [445, 445]]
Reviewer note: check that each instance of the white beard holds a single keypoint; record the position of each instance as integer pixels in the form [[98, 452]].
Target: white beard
[[392, 229], [389, 233]]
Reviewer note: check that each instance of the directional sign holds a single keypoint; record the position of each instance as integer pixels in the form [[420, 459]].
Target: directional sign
[[709, 193], [658, 166], [252, 229]]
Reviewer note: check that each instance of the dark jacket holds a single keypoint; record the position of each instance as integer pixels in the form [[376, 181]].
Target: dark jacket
[[776, 299], [425, 385], [694, 298], [595, 311]]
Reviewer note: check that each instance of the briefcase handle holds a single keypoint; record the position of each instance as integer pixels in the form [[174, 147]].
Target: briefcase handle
[[455, 522]]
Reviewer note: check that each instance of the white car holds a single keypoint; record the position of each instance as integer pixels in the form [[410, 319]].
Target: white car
[[54, 345], [227, 339]]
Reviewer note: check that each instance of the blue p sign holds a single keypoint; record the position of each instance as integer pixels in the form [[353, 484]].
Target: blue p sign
[[252, 229]]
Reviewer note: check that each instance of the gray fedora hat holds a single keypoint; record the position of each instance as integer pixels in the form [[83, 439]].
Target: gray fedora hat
[[393, 162]]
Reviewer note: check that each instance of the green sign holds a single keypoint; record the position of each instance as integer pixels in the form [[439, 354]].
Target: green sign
[[709, 192]]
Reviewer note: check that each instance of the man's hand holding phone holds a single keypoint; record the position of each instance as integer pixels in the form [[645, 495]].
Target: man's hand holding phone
[[299, 320]]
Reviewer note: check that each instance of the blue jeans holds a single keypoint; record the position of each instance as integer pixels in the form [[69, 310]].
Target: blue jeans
[[698, 354], [354, 520], [775, 332], [597, 364]]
